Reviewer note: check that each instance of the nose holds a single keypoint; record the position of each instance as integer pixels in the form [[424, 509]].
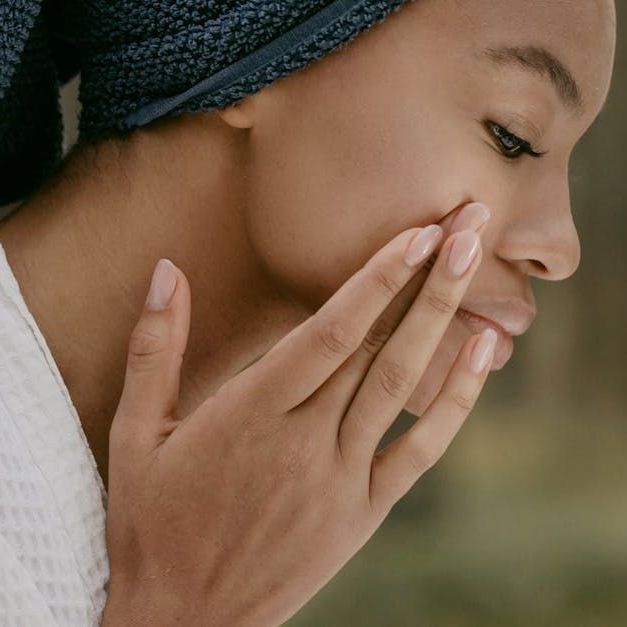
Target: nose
[[541, 237]]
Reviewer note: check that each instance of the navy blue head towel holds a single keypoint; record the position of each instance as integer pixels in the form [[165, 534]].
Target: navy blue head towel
[[143, 59]]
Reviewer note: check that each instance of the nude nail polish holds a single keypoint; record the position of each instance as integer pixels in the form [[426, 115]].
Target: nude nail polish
[[472, 216], [162, 285], [464, 249], [422, 244], [483, 350]]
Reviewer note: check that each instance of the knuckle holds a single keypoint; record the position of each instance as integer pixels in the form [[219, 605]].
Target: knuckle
[[422, 458], [463, 401], [394, 378], [377, 335], [144, 343], [362, 426], [384, 282], [333, 339], [438, 301]]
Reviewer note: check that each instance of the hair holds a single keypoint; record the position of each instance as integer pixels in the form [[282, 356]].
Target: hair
[[140, 60]]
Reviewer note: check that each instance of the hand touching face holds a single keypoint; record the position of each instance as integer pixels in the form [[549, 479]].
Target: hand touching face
[[441, 104]]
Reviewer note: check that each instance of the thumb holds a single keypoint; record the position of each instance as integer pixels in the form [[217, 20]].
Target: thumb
[[155, 350]]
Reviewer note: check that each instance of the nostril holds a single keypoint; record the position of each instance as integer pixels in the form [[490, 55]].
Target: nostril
[[538, 267]]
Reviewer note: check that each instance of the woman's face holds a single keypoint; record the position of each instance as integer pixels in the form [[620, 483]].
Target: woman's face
[[417, 117]]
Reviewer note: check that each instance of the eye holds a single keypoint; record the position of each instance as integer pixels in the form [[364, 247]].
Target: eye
[[509, 144]]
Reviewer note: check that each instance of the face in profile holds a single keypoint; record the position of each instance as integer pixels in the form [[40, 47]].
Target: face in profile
[[442, 103]]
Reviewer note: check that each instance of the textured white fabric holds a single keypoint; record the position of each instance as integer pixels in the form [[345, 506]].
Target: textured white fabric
[[53, 561]]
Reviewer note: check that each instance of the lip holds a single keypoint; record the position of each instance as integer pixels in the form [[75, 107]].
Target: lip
[[511, 322]]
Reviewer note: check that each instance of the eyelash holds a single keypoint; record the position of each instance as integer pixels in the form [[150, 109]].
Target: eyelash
[[500, 133]]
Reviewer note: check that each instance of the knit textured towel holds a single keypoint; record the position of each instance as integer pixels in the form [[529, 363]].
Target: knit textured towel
[[143, 59]]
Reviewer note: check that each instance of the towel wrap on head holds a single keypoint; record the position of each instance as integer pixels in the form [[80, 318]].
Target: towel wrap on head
[[140, 60]]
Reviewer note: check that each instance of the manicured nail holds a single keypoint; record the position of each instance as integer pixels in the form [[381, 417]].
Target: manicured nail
[[464, 249], [483, 350], [472, 216], [423, 244], [161, 286]]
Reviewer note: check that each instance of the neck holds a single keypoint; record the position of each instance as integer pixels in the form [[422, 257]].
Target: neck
[[83, 250]]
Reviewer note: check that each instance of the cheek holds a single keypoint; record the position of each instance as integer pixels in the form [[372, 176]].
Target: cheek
[[325, 192], [329, 186]]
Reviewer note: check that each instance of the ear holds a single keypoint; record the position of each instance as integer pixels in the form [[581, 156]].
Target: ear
[[239, 114]]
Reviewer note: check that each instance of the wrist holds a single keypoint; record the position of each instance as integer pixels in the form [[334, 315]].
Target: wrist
[[138, 606]]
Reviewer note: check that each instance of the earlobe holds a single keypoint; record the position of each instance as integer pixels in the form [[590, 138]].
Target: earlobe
[[238, 114]]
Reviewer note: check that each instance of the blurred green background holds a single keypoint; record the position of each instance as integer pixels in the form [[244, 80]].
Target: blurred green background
[[524, 521]]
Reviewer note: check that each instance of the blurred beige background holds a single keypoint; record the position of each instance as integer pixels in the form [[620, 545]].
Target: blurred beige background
[[524, 521]]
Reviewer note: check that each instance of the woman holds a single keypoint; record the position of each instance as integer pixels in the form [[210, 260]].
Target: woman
[[268, 203]]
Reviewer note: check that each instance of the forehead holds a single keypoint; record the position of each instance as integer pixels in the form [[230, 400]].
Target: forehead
[[580, 33]]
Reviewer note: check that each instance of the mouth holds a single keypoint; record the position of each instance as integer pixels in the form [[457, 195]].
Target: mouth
[[504, 343]]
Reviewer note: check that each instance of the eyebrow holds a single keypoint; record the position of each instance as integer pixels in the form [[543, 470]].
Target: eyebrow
[[543, 62]]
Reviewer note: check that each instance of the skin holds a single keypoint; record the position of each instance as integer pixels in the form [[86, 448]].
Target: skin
[[278, 467], [270, 205]]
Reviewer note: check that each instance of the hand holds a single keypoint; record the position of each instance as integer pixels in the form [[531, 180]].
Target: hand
[[238, 513]]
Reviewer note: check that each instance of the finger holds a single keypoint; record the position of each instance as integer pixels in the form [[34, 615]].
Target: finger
[[303, 359], [334, 397], [401, 363], [401, 463], [340, 389], [155, 352]]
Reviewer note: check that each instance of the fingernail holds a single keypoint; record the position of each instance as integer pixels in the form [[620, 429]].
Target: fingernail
[[472, 216], [464, 249], [161, 286], [423, 244], [483, 350]]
